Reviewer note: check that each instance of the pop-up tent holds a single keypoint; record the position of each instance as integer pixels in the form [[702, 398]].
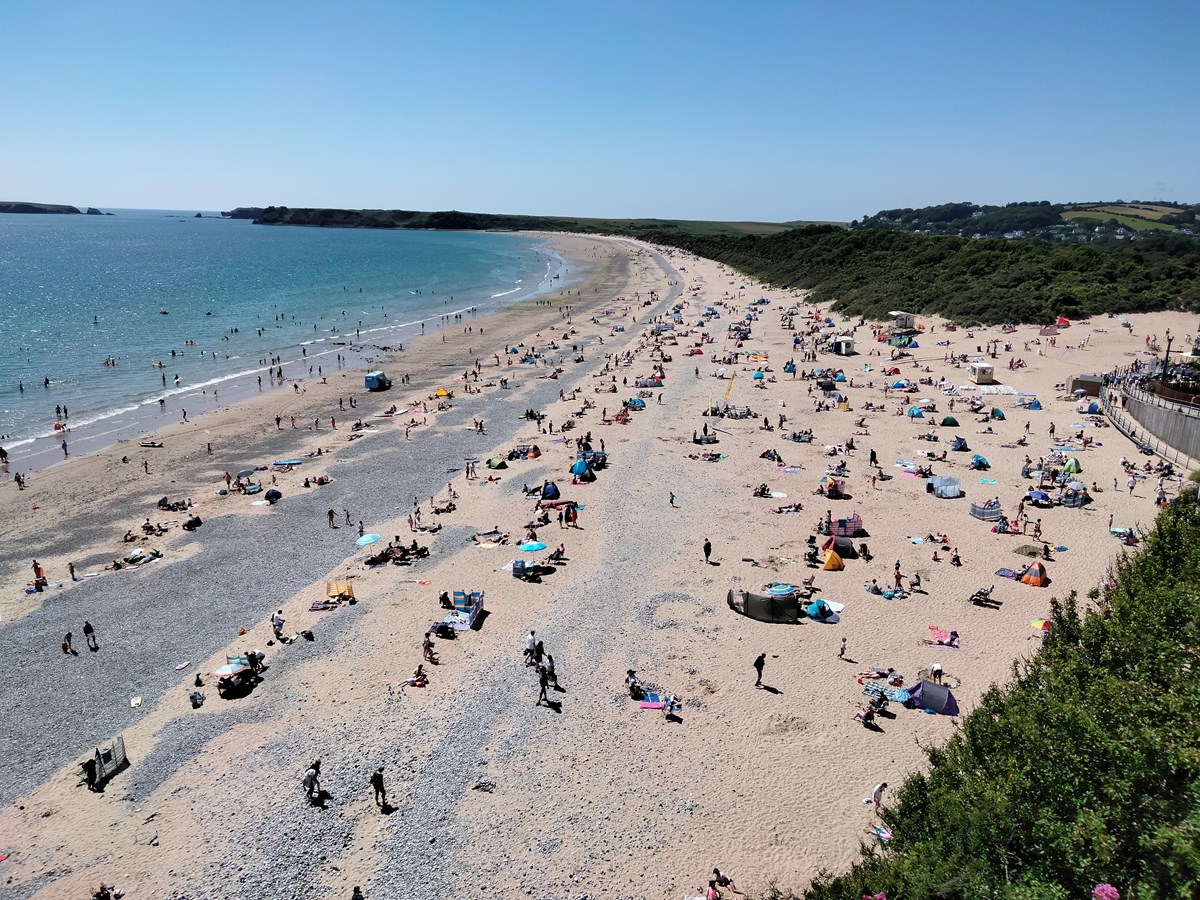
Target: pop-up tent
[[550, 491], [936, 697], [914, 412], [997, 413], [842, 546], [980, 463], [950, 422], [1094, 408], [946, 488], [1034, 404], [1036, 575], [833, 562], [960, 444], [636, 403], [581, 471], [782, 609], [497, 462], [1072, 467]]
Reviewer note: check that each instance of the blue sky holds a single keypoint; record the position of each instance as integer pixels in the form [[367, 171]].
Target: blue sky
[[731, 110]]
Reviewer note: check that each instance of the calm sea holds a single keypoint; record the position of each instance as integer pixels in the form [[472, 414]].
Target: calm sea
[[209, 298]]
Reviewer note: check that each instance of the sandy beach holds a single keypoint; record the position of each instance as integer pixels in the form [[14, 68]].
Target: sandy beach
[[493, 792]]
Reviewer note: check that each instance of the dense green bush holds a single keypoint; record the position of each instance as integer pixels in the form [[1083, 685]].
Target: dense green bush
[[1085, 769], [870, 272]]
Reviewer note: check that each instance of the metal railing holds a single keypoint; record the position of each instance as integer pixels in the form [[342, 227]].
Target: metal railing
[[1124, 422]]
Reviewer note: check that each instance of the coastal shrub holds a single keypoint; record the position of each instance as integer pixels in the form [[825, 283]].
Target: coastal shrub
[[1084, 770], [870, 272]]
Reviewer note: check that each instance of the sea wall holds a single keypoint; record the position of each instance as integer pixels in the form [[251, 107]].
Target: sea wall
[[1175, 425]]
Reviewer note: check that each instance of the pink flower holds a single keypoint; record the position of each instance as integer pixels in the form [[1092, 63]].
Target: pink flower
[[882, 896], [1105, 892]]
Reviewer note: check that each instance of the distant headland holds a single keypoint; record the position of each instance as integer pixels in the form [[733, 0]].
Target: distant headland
[[47, 209]]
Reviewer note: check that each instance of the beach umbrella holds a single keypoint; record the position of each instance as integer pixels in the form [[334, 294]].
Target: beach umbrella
[[368, 539], [533, 546], [758, 376], [1077, 486], [1040, 496], [245, 473], [1040, 624]]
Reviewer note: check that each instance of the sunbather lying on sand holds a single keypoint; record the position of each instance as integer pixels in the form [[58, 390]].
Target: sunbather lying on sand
[[876, 672]]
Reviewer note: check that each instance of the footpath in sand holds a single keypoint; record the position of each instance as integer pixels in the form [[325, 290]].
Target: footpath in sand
[[492, 793]]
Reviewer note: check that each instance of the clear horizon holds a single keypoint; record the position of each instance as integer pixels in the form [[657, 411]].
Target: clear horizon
[[770, 112]]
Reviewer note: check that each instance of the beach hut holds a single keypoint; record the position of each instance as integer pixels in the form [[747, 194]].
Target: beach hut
[[843, 345], [934, 697], [1036, 575], [833, 562], [950, 422], [914, 412], [981, 373], [902, 321]]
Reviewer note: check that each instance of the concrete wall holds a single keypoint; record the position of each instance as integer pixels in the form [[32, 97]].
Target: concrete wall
[[1175, 425]]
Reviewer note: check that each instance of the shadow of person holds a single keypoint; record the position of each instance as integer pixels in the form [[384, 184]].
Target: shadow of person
[[771, 690], [320, 798], [849, 660], [386, 808], [560, 688], [555, 705], [673, 717], [93, 645]]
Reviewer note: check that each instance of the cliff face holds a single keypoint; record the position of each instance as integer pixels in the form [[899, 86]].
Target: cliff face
[[243, 212], [92, 211], [10, 206]]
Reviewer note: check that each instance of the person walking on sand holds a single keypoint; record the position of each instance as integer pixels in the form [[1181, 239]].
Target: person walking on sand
[[66, 643], [64, 449], [544, 682], [877, 797], [330, 516], [312, 781], [707, 551], [380, 790], [672, 500], [842, 650], [277, 622], [530, 645], [551, 674], [759, 662], [89, 635], [71, 570]]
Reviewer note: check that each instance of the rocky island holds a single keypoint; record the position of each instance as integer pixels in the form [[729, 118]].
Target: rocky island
[[15, 206]]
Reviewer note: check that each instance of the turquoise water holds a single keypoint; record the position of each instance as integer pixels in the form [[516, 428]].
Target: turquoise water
[[135, 286]]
